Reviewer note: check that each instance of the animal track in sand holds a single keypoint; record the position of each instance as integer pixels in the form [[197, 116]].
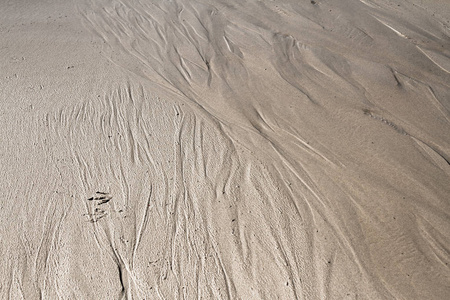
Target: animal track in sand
[[371, 114], [104, 198], [98, 213]]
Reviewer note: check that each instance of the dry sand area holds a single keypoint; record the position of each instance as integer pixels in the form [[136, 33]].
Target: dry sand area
[[225, 149]]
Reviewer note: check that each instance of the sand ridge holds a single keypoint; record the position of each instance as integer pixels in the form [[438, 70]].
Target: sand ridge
[[217, 149]]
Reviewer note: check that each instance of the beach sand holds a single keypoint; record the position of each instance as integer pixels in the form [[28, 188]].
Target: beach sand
[[213, 149]]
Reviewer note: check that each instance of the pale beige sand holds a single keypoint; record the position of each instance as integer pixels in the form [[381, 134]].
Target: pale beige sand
[[243, 149]]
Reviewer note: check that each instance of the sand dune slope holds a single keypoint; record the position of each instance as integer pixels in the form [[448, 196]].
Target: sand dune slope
[[213, 149]]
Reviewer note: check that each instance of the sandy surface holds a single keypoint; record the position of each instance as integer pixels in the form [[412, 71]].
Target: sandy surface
[[212, 149]]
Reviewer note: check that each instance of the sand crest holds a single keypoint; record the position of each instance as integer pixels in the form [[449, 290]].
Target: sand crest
[[213, 149]]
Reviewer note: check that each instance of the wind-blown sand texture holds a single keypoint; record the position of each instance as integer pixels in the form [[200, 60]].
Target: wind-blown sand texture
[[224, 149]]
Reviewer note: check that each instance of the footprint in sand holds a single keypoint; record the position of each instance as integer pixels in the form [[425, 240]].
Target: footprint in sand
[[102, 197], [98, 213]]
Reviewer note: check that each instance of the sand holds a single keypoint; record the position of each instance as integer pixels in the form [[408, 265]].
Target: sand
[[212, 149]]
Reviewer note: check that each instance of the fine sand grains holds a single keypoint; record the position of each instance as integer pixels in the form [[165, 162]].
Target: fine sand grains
[[213, 149]]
